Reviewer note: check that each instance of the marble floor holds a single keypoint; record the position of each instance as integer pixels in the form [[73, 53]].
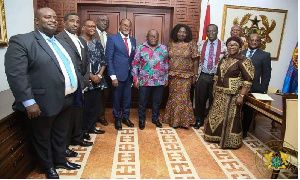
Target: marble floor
[[167, 153]]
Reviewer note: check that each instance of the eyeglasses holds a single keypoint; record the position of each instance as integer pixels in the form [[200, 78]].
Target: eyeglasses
[[254, 40], [125, 25]]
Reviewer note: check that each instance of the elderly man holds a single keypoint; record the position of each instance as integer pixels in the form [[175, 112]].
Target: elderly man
[[120, 49], [262, 64], [211, 52], [150, 75], [41, 73], [102, 34], [236, 31]]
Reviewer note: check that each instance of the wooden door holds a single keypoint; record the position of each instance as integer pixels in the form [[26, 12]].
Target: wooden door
[[143, 19]]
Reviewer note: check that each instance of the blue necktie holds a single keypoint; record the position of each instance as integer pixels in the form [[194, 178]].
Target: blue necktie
[[250, 54], [65, 61]]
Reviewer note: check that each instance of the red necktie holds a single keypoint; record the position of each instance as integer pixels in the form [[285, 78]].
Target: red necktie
[[210, 57], [126, 44]]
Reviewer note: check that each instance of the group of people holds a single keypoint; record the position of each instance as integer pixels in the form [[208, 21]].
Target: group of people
[[62, 81]]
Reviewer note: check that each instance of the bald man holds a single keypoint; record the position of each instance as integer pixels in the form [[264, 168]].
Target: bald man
[[236, 31]]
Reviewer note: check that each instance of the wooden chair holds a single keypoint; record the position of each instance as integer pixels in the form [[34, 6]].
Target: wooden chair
[[289, 131]]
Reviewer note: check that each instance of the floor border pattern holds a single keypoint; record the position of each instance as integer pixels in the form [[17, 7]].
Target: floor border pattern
[[228, 162], [82, 157], [126, 162], [177, 160], [275, 133]]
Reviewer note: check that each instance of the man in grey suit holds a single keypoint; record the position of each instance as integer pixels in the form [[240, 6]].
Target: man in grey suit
[[41, 74], [71, 24], [102, 34], [262, 64]]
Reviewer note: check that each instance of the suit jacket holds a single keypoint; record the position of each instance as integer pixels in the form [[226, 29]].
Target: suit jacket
[[119, 62], [82, 65], [33, 72], [105, 73], [221, 51], [262, 64]]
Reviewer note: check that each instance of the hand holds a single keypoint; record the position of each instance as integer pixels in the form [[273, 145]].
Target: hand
[[33, 111], [136, 84], [166, 83], [115, 83], [95, 79], [239, 100]]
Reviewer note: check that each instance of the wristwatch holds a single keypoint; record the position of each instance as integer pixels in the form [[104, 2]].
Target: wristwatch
[[100, 76], [242, 95]]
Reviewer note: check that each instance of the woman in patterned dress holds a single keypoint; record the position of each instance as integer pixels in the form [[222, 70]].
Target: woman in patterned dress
[[233, 79], [183, 66]]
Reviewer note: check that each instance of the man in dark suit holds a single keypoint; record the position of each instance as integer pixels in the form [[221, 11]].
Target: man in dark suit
[[102, 35], [262, 63], [120, 49], [71, 24], [41, 74]]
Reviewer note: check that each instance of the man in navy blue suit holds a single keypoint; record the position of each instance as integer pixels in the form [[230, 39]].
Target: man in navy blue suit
[[120, 50]]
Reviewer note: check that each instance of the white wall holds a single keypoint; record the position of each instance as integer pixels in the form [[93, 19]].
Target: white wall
[[19, 19], [290, 36]]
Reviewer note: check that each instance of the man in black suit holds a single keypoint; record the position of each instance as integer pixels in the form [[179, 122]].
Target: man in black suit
[[41, 74], [102, 34], [71, 24], [262, 63]]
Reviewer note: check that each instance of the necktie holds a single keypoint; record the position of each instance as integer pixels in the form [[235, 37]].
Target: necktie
[[66, 62], [210, 57], [126, 44], [250, 54], [102, 39]]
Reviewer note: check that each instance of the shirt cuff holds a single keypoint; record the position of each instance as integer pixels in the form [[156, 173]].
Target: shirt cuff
[[28, 102], [113, 77]]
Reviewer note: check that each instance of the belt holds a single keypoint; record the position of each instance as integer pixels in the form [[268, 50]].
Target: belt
[[210, 74]]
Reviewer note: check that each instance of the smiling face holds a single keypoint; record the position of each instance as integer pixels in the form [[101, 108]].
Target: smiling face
[[254, 41], [236, 31], [212, 32], [46, 21], [89, 28], [181, 35], [72, 24], [233, 47]]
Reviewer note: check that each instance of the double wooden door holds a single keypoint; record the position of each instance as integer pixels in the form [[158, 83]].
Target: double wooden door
[[143, 19]]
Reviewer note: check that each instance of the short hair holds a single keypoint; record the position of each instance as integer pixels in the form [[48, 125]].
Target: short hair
[[83, 22], [236, 39], [259, 36], [212, 25], [37, 12], [70, 14], [189, 36], [125, 19]]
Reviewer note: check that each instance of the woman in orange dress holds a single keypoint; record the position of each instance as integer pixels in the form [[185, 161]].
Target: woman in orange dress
[[183, 67]]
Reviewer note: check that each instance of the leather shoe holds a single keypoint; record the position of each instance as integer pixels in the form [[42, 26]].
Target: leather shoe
[[86, 136], [78, 166], [118, 125], [96, 131], [70, 153], [51, 173], [66, 165], [244, 135], [157, 123], [103, 122], [86, 144], [142, 125], [127, 122], [198, 124]]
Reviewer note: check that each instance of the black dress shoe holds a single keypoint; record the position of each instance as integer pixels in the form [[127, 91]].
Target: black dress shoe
[[70, 153], [142, 125], [86, 144], [51, 173], [157, 123], [66, 165], [244, 135], [198, 124], [77, 166], [103, 122], [127, 122], [86, 136], [118, 125], [96, 131]]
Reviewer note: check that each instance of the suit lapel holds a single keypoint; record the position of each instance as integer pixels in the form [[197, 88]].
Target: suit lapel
[[70, 42], [256, 54], [46, 48], [122, 42]]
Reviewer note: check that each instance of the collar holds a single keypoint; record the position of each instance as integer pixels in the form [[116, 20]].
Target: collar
[[46, 37], [215, 41], [124, 36], [70, 34], [146, 44], [98, 30]]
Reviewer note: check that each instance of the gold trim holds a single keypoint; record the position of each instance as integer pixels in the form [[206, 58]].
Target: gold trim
[[273, 117], [256, 9], [3, 30]]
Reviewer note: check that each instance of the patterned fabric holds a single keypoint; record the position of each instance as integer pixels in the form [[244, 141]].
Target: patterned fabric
[[179, 110], [126, 44], [150, 67], [223, 123], [97, 60], [210, 57]]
